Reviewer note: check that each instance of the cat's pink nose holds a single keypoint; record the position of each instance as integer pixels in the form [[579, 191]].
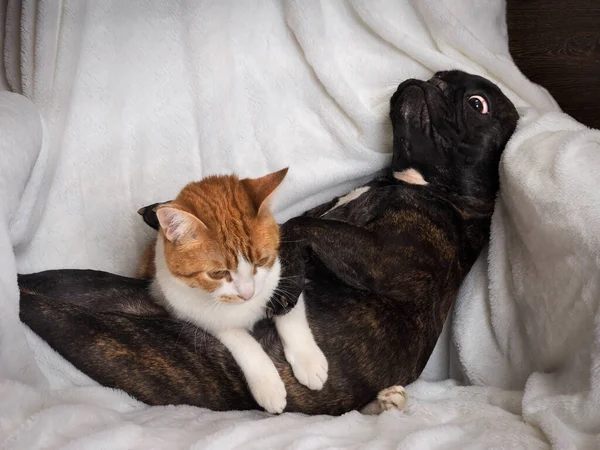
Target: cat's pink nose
[[246, 291]]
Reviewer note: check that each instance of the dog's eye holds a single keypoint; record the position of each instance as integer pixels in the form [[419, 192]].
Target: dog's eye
[[479, 104]]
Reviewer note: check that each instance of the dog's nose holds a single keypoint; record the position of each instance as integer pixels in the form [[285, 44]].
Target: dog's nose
[[439, 83]]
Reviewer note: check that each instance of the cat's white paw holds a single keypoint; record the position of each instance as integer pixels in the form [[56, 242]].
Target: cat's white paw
[[301, 351], [309, 365], [392, 398], [269, 392]]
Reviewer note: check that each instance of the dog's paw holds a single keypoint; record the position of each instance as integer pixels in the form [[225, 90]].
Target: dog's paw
[[309, 365], [392, 398], [269, 392]]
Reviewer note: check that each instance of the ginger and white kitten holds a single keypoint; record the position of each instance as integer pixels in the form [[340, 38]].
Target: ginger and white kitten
[[216, 264]]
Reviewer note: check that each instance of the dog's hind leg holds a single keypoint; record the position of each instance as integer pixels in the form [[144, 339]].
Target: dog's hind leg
[[391, 398]]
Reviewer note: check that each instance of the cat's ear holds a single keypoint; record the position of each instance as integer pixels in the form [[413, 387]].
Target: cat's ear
[[261, 189], [178, 224]]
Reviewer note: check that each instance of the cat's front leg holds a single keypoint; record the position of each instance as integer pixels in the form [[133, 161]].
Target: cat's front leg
[[262, 377], [308, 362]]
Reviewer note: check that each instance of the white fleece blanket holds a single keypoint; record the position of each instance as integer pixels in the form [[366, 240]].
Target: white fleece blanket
[[136, 98]]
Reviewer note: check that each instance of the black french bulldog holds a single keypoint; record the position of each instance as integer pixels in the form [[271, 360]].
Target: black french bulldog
[[385, 264]]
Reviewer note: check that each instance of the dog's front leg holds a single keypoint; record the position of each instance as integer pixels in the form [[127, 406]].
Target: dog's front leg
[[351, 253], [291, 283], [356, 256]]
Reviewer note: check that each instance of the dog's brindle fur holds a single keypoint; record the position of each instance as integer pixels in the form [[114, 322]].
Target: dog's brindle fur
[[384, 270]]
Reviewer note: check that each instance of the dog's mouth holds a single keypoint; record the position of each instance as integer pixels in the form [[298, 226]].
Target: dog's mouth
[[409, 105], [424, 106], [419, 111]]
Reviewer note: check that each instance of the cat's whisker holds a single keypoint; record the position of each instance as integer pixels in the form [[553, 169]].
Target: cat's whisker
[[195, 336], [284, 260], [283, 291], [279, 302], [285, 241], [204, 341], [212, 307], [183, 327]]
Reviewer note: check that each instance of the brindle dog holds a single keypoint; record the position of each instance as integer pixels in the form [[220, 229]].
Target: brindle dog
[[384, 262]]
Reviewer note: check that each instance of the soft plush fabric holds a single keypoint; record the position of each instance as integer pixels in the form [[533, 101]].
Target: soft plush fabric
[[529, 315], [128, 101]]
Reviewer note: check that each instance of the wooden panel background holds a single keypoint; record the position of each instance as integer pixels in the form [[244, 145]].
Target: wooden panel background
[[556, 43]]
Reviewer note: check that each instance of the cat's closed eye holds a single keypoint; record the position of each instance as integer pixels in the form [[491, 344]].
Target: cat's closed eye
[[262, 262], [218, 274]]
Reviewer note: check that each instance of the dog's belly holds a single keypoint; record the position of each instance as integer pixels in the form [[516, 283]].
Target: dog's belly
[[357, 329]]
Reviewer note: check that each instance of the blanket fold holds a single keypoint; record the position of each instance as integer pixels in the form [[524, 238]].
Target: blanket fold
[[20, 143], [537, 323]]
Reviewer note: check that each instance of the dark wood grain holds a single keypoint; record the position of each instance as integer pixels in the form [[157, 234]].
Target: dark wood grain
[[556, 43]]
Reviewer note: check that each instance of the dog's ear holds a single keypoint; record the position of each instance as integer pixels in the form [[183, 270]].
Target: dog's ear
[[148, 213]]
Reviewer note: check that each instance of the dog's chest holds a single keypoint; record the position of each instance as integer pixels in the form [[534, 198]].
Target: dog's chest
[[358, 206]]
